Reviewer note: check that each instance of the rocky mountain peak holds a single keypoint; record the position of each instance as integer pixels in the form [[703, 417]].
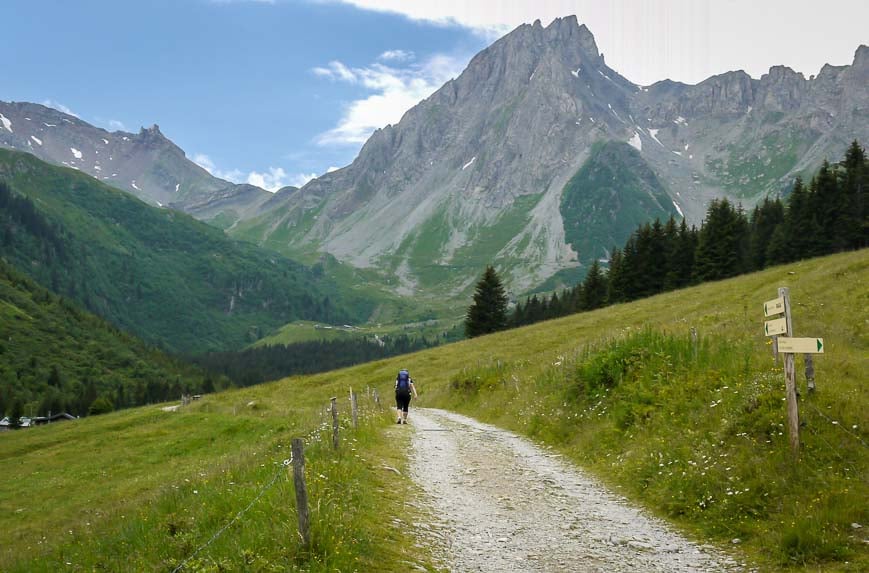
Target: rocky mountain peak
[[861, 59]]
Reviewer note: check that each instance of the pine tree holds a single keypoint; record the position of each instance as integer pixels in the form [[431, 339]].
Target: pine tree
[[594, 288], [723, 240], [615, 278], [488, 313], [854, 221], [681, 265], [764, 220]]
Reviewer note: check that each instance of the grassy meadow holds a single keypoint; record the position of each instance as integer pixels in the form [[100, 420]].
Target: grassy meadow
[[694, 431]]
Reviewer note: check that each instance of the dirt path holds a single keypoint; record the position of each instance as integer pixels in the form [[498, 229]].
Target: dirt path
[[507, 505]]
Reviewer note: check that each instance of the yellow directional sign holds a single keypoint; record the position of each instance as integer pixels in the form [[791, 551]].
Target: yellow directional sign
[[774, 306], [801, 345], [776, 326]]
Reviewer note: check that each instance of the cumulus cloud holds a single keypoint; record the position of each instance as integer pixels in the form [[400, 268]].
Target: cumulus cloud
[[271, 180], [396, 55], [59, 107], [391, 92], [117, 125], [300, 179]]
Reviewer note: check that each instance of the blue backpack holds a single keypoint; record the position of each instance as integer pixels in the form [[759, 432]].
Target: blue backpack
[[402, 383]]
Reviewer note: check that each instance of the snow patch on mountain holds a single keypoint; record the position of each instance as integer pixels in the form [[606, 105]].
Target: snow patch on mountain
[[36, 139], [468, 164], [6, 123], [636, 142], [654, 134], [75, 152], [676, 205]]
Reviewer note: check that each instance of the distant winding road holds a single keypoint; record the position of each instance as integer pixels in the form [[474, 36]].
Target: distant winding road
[[504, 504]]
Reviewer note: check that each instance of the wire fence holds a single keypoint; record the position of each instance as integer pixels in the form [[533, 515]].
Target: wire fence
[[315, 435], [238, 515], [838, 424]]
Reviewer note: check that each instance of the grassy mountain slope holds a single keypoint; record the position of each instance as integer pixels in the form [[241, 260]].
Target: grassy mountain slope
[[155, 272], [618, 390], [610, 195], [42, 334]]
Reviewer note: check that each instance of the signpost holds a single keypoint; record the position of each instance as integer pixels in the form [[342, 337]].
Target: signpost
[[801, 345], [774, 306], [789, 346], [773, 327]]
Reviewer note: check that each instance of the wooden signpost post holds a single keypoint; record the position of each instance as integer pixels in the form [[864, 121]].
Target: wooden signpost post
[[789, 346]]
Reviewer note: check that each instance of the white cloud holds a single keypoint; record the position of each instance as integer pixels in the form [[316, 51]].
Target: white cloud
[[332, 168], [300, 179], [392, 92], [271, 180], [396, 55], [117, 125], [59, 107]]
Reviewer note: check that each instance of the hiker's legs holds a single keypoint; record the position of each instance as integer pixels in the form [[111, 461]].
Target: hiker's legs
[[402, 400], [406, 408]]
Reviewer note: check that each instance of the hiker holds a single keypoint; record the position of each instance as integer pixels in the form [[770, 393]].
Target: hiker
[[403, 387]]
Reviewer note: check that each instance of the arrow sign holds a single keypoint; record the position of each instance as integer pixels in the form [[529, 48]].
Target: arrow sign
[[801, 345], [776, 326], [774, 306]]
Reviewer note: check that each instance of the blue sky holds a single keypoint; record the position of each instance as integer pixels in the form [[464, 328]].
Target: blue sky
[[276, 91]]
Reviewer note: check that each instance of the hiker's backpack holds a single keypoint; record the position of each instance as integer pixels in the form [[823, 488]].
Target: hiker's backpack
[[402, 383]]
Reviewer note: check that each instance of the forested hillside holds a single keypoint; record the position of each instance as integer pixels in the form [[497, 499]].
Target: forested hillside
[[55, 357], [160, 274], [829, 215]]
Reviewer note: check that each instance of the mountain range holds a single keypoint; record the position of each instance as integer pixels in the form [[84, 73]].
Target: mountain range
[[538, 158]]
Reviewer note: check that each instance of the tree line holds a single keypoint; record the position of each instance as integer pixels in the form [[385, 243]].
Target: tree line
[[264, 363], [829, 214]]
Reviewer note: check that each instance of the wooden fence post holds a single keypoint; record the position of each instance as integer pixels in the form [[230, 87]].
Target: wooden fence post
[[301, 490], [333, 400], [790, 378], [810, 372], [694, 341], [377, 400], [354, 409]]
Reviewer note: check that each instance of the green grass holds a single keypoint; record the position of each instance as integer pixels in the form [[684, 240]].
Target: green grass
[[613, 193], [142, 490], [620, 391]]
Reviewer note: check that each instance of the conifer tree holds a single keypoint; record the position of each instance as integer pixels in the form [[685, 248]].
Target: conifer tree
[[615, 278], [488, 313], [594, 288], [764, 220], [721, 249], [854, 220], [681, 265]]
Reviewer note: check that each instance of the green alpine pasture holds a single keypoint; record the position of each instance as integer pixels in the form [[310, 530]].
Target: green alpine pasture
[[691, 428], [609, 196]]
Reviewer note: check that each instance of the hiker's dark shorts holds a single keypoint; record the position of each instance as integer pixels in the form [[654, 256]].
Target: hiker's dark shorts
[[402, 400]]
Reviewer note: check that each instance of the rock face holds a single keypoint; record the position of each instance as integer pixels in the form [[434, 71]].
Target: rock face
[[477, 172], [146, 164]]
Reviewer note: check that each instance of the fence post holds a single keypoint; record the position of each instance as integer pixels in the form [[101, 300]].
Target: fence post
[[301, 490], [333, 400], [810, 372], [694, 341], [354, 409], [790, 379], [377, 400]]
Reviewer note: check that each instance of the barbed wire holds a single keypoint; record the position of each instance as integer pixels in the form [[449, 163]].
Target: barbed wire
[[838, 425], [238, 515]]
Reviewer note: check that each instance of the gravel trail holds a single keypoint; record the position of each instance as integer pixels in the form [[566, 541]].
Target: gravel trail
[[505, 504]]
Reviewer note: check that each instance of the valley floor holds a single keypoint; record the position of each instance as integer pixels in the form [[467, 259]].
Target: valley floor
[[505, 504]]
